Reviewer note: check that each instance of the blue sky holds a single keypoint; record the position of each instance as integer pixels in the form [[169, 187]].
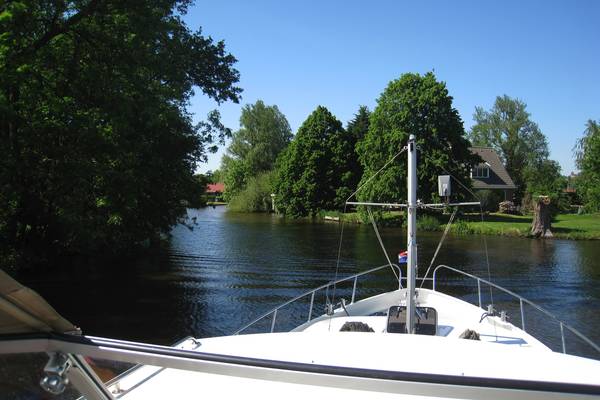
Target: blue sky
[[342, 54]]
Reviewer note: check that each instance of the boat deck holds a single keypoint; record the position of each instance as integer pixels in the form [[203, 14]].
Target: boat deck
[[454, 317], [508, 353], [413, 354]]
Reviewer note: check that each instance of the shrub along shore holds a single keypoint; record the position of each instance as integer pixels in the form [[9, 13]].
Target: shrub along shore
[[564, 226]]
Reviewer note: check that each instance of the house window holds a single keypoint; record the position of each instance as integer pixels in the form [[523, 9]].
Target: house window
[[480, 171]]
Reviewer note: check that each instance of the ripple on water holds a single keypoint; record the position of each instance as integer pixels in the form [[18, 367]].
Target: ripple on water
[[230, 268]]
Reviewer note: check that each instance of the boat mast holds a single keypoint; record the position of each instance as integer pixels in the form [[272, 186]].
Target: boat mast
[[411, 237]]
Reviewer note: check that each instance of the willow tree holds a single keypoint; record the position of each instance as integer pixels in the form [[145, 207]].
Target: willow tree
[[420, 105], [264, 132], [587, 153], [98, 148]]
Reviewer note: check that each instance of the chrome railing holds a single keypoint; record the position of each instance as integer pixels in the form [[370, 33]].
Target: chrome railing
[[311, 293], [522, 301]]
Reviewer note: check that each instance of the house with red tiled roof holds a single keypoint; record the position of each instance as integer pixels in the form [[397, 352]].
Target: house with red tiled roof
[[215, 188], [214, 191]]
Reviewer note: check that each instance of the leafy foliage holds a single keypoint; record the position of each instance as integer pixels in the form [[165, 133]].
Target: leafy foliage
[[264, 133], [359, 126], [420, 105], [544, 178], [212, 176], [313, 173], [587, 153], [508, 129], [490, 199], [256, 196], [356, 130], [98, 149]]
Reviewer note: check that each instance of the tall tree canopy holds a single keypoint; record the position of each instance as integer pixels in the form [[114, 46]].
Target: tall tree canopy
[[264, 132], [359, 126], [420, 105], [544, 178], [356, 130], [508, 129], [98, 148], [313, 172], [587, 152]]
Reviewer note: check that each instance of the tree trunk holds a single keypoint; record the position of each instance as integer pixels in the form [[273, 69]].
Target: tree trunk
[[542, 221]]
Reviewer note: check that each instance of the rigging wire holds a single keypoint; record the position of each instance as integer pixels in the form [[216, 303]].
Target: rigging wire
[[487, 258], [381, 244], [337, 263], [447, 229], [437, 250], [376, 173]]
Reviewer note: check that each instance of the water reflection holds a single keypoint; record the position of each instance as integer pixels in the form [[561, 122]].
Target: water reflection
[[232, 267]]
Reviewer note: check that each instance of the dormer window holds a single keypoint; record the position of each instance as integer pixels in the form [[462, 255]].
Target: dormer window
[[481, 171]]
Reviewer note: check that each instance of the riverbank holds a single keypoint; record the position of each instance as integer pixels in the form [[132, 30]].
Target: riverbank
[[564, 226]]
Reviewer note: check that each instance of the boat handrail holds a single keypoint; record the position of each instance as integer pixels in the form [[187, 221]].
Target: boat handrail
[[522, 300], [312, 292]]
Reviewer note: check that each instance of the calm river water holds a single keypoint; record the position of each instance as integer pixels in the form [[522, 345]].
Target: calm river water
[[232, 267]]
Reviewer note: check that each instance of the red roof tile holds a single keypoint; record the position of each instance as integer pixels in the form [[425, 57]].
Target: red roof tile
[[215, 187]]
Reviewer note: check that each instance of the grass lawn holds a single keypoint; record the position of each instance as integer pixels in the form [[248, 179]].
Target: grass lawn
[[564, 226], [585, 226]]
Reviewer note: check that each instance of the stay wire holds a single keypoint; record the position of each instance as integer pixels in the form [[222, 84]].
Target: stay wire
[[439, 246], [339, 256], [337, 263], [381, 243], [487, 258], [376, 173]]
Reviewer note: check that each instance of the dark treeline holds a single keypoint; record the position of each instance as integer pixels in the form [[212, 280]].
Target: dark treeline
[[98, 149]]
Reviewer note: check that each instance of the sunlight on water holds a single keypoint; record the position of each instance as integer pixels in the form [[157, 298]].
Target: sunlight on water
[[230, 268]]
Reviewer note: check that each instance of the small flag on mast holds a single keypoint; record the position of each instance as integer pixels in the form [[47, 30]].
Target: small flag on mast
[[403, 257]]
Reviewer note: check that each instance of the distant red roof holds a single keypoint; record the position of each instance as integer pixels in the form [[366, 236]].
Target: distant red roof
[[215, 188]]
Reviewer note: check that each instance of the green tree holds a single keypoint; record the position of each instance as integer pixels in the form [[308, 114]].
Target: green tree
[[235, 176], [215, 176], [211, 176], [256, 196], [587, 155], [544, 178], [358, 127], [313, 172], [264, 133], [420, 105], [98, 148], [518, 140], [356, 130]]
